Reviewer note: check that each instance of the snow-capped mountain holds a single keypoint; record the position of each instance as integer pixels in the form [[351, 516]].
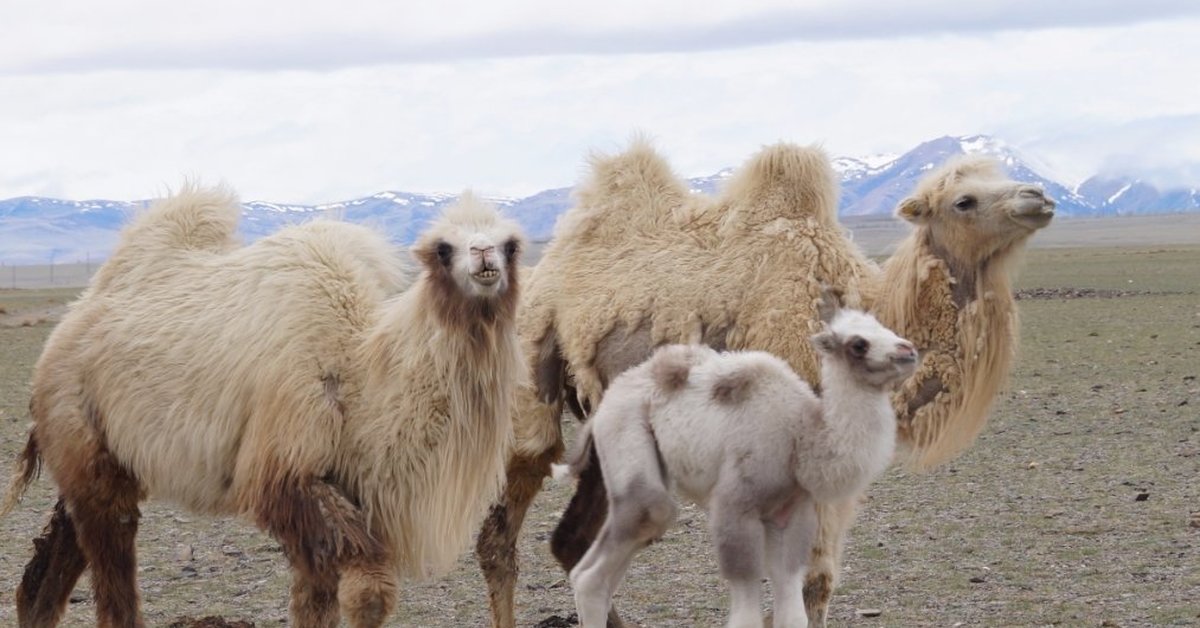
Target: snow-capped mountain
[[37, 230]]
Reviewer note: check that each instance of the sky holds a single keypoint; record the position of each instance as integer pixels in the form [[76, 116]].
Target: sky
[[305, 102]]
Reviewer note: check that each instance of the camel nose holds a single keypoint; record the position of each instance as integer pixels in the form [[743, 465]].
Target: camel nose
[[905, 352], [486, 254]]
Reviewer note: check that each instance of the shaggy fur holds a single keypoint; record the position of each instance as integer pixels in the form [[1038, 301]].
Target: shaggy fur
[[641, 262], [742, 435], [291, 383]]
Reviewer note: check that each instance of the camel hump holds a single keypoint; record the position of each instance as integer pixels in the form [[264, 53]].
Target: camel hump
[[194, 218], [783, 181], [671, 365], [632, 189]]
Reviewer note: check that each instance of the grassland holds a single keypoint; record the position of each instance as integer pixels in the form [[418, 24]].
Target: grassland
[[1078, 505]]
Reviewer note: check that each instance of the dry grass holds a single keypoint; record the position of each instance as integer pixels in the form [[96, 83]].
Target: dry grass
[[1077, 506]]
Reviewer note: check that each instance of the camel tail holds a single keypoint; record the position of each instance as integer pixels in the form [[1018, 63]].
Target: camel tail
[[579, 456], [28, 466]]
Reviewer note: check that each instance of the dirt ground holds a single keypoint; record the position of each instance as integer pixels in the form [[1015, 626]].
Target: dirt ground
[[1079, 505]]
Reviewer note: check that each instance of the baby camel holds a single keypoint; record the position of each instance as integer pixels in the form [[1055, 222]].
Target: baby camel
[[740, 434]]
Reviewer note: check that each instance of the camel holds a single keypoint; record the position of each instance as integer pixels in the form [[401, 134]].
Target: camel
[[303, 382], [640, 261], [742, 435]]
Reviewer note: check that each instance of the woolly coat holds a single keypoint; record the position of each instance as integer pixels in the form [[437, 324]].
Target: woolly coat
[[217, 373]]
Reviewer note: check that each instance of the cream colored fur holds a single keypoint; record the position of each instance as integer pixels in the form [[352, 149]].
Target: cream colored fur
[[744, 270], [639, 249], [211, 370]]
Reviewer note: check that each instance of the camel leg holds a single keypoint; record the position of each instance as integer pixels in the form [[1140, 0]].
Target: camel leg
[[740, 540], [314, 602], [496, 547], [320, 530], [833, 523], [581, 522], [636, 517], [368, 591], [788, 549], [583, 517], [102, 499], [51, 574]]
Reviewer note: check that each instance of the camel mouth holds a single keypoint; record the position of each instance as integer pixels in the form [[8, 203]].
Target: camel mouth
[[904, 360], [487, 276], [1034, 217]]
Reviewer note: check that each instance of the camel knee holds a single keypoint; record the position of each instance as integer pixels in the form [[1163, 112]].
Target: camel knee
[[367, 595]]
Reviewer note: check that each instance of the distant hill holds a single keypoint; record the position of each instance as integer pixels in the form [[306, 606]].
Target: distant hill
[[39, 230]]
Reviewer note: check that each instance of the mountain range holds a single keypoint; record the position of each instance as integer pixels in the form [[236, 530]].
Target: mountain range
[[37, 230]]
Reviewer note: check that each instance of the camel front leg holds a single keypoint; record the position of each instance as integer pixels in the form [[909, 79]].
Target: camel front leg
[[833, 524], [496, 547]]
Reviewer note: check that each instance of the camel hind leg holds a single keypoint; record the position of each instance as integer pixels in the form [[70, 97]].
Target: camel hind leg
[[102, 499], [51, 574]]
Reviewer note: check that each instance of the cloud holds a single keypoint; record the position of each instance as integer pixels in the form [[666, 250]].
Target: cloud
[[257, 36]]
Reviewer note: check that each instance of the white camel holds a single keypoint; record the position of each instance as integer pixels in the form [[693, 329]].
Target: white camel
[[743, 436]]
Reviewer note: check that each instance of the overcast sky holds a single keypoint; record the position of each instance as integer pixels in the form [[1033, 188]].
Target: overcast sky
[[304, 102]]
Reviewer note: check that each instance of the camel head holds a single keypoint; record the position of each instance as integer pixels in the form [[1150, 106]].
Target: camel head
[[868, 351], [472, 250], [973, 211]]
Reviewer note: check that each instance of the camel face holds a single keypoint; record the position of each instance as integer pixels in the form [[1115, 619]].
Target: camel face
[[478, 252], [482, 266], [875, 354], [972, 210]]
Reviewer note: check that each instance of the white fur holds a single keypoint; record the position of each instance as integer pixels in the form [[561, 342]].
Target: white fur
[[742, 435]]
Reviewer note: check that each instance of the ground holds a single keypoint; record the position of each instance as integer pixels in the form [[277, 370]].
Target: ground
[[1079, 505]]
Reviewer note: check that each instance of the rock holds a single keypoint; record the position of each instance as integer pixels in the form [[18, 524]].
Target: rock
[[978, 579], [1141, 497], [185, 553], [869, 612]]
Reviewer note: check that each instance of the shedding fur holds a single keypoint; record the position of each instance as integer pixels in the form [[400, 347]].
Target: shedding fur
[[306, 382], [746, 269], [758, 460]]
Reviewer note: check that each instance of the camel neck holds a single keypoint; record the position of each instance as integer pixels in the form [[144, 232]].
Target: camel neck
[[847, 401]]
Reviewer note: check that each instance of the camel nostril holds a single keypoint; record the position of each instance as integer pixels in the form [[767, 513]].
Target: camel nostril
[[905, 352]]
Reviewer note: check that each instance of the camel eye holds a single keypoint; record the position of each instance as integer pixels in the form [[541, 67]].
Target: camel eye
[[510, 249], [445, 253], [965, 203], [859, 347]]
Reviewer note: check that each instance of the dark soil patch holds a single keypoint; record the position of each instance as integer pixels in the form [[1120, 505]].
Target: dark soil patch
[[212, 621], [1083, 293]]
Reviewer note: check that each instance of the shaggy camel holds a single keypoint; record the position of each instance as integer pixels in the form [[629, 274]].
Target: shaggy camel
[[640, 261], [742, 435], [288, 382]]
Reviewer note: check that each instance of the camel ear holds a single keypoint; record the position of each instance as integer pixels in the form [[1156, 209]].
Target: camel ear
[[826, 341], [914, 210], [831, 302]]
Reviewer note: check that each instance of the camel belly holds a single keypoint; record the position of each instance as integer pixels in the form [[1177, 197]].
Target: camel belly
[[190, 463]]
